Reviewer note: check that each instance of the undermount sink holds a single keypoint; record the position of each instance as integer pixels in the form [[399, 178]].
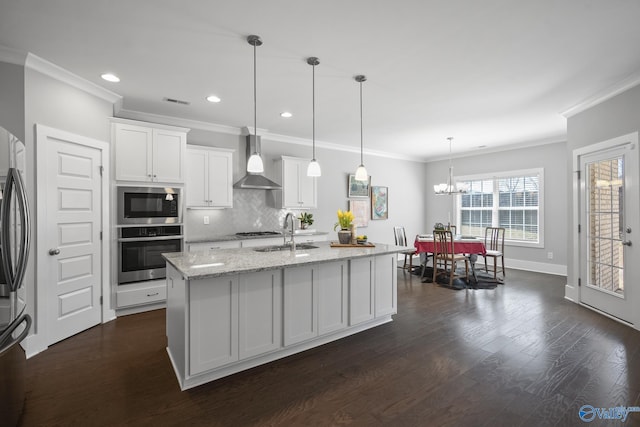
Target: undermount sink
[[278, 248]]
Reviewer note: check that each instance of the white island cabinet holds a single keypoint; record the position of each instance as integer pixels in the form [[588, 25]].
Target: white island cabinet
[[271, 307]]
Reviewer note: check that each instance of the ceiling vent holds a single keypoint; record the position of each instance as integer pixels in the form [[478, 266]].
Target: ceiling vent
[[176, 101]]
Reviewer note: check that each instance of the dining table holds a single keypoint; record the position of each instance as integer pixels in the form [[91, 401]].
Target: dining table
[[469, 245]]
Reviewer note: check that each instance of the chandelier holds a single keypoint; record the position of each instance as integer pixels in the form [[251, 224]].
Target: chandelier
[[450, 187]]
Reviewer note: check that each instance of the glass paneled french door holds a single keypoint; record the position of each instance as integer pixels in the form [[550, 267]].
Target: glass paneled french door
[[609, 216]]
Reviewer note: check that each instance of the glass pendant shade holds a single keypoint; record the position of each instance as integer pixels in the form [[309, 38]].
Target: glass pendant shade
[[361, 174], [254, 164], [314, 168]]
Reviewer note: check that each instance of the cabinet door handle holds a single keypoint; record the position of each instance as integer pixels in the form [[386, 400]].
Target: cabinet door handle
[[153, 295]]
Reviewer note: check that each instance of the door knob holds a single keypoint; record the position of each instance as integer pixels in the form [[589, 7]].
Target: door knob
[[626, 242], [54, 251]]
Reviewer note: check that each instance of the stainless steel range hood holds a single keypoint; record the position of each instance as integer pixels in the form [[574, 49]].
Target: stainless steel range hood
[[255, 181]]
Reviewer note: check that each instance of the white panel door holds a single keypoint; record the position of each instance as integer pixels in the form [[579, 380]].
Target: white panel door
[[74, 250]]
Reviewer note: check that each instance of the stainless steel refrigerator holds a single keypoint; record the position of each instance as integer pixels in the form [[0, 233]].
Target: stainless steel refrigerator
[[14, 321]]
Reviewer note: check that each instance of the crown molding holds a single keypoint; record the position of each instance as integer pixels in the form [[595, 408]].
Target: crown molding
[[12, 56], [616, 89], [177, 121], [54, 71], [515, 146], [246, 130]]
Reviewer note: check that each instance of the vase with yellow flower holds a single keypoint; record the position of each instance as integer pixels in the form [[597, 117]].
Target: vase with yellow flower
[[345, 221]]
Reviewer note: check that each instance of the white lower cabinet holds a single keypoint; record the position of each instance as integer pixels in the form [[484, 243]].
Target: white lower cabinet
[[152, 291], [385, 291], [333, 296], [213, 323], [300, 304], [315, 301], [260, 313], [361, 293]]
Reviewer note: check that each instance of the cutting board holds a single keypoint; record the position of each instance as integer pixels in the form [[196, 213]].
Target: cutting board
[[351, 245]]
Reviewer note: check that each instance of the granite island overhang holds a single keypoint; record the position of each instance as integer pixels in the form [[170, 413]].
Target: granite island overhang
[[232, 309]]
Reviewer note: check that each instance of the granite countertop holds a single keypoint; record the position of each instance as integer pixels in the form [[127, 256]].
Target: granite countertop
[[205, 264], [231, 237]]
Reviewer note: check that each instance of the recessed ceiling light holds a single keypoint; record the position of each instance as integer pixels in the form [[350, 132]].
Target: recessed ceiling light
[[110, 77], [286, 114], [213, 98]]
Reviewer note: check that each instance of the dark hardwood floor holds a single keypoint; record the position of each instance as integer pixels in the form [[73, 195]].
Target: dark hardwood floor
[[516, 355]]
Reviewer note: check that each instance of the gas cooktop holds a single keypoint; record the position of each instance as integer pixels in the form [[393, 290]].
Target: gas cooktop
[[258, 233]]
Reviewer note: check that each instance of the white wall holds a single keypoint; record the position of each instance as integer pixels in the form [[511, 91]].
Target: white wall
[[12, 99], [58, 105], [551, 157], [612, 118]]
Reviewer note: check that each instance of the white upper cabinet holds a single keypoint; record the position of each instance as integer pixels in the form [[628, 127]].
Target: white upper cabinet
[[145, 153], [299, 191], [209, 180]]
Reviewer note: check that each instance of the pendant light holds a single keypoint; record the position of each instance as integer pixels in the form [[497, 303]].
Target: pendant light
[[450, 187], [314, 167], [254, 164], [361, 172]]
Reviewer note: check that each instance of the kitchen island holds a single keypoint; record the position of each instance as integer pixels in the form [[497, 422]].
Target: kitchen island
[[232, 309]]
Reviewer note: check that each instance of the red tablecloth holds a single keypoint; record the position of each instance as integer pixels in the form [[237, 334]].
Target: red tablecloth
[[459, 246]]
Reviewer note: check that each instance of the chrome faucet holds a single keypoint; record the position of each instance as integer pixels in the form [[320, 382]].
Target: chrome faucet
[[293, 227]]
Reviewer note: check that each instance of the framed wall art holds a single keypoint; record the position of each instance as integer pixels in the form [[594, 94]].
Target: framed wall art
[[358, 188], [360, 209], [379, 202]]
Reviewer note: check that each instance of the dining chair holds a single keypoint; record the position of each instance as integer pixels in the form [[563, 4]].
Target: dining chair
[[401, 240], [453, 229], [494, 243], [444, 253]]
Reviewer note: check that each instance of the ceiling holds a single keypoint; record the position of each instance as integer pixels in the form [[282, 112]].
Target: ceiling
[[489, 73]]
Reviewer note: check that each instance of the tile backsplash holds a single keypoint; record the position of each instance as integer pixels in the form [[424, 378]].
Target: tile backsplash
[[252, 211]]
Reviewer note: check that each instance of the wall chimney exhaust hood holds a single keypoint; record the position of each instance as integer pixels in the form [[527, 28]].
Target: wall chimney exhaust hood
[[255, 181]]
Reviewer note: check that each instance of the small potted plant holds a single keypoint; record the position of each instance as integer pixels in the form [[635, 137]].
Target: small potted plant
[[345, 221], [306, 219]]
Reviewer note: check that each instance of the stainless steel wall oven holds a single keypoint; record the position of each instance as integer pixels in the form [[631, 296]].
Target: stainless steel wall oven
[[140, 251]]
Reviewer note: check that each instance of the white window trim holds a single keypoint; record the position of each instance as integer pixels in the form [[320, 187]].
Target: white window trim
[[504, 174]]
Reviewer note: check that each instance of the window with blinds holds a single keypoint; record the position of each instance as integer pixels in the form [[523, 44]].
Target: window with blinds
[[511, 200]]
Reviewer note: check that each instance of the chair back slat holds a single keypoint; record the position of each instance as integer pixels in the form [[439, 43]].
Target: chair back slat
[[443, 243], [494, 238], [401, 237]]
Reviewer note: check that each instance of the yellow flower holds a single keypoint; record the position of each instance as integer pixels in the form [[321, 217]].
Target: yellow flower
[[345, 219]]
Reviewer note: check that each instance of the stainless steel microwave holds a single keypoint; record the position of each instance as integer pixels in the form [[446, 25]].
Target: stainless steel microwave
[[149, 205]]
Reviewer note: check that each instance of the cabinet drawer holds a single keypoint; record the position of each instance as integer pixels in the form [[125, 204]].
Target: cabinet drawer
[[128, 295]]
